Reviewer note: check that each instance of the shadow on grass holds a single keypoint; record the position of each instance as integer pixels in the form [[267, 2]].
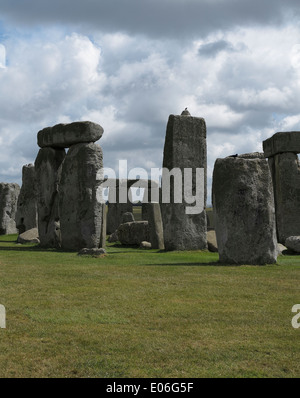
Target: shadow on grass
[[25, 248]]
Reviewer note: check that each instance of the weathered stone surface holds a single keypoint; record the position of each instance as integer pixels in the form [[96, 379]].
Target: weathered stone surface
[[120, 198], [244, 211], [212, 244], [29, 236], [47, 170], [127, 217], [113, 237], [293, 243], [27, 214], [103, 228], [151, 212], [65, 135], [252, 155], [285, 171], [9, 193], [79, 204], [133, 233], [185, 147], [115, 208], [282, 142], [92, 251]]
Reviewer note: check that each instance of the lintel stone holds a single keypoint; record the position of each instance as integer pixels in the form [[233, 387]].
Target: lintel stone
[[282, 142], [65, 135]]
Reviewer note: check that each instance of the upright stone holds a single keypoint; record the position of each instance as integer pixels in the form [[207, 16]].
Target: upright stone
[[286, 180], [184, 226], [103, 227], [281, 150], [27, 215], [244, 211], [9, 193], [47, 168], [79, 197], [151, 212]]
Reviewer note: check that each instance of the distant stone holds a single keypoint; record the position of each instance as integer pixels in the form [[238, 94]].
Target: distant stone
[[151, 212], [9, 193], [133, 233], [29, 236], [113, 237], [127, 217], [212, 241], [145, 245], [91, 252], [27, 215], [65, 135], [293, 243]]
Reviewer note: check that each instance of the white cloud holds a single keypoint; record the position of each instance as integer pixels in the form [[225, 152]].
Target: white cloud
[[243, 79], [2, 56]]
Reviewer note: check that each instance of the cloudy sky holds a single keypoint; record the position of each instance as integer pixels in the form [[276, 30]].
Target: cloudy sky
[[129, 64]]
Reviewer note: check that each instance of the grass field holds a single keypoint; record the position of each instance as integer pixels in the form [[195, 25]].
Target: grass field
[[135, 313]]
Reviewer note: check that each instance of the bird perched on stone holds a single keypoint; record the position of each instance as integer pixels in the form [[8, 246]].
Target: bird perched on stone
[[185, 112], [234, 156]]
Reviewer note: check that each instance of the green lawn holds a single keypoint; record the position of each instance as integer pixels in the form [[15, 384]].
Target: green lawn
[[135, 313]]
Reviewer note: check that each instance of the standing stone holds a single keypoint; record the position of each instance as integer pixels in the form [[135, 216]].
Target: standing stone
[[79, 198], [27, 215], [103, 227], [286, 181], [133, 233], [244, 211], [9, 194], [185, 147], [281, 150], [151, 212], [47, 168]]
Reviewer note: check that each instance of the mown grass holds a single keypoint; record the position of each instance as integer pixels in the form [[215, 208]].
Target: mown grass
[[136, 313]]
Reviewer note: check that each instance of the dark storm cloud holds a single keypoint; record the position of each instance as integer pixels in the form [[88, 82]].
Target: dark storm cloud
[[175, 18], [213, 48]]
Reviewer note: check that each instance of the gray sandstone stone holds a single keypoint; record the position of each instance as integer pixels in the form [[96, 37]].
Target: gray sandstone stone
[[244, 211], [47, 170], [65, 135], [9, 193], [127, 217], [285, 171], [113, 237], [212, 244], [133, 233], [79, 198], [282, 142], [185, 147], [293, 243], [151, 212], [29, 236], [27, 214]]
